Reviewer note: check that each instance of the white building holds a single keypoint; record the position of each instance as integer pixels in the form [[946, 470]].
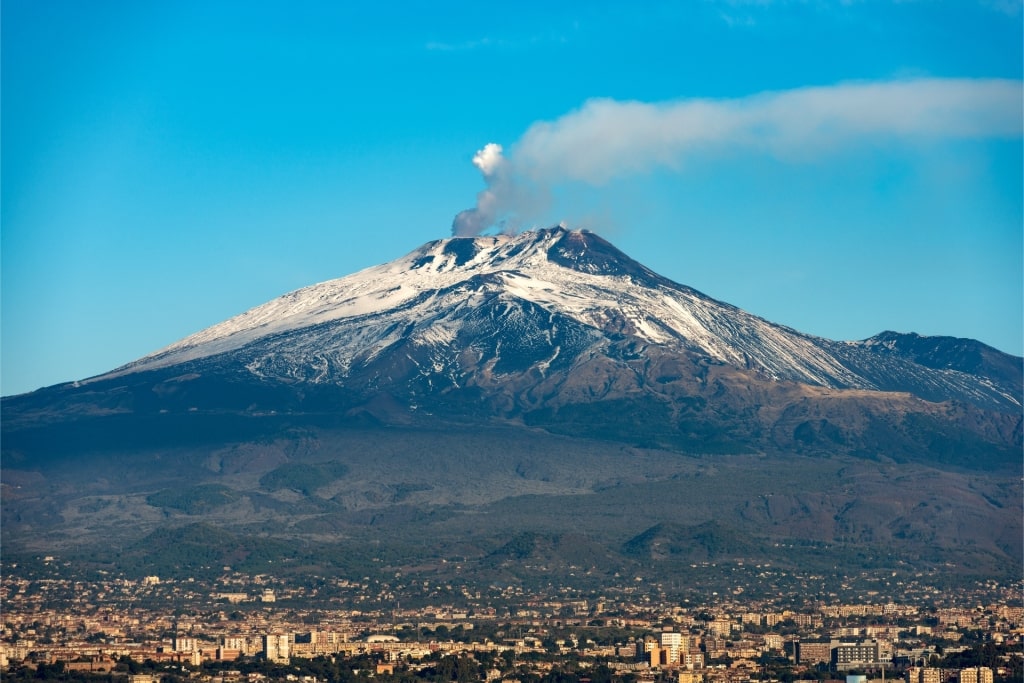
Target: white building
[[276, 648], [670, 642]]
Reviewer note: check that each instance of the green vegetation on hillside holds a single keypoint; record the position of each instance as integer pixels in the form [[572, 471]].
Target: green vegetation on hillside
[[193, 500], [302, 477]]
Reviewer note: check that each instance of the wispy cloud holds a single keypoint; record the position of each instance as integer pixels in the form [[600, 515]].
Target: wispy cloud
[[608, 138], [490, 43], [481, 43], [1010, 8]]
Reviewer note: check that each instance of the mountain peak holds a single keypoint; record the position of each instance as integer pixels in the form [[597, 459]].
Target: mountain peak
[[949, 353], [586, 252], [580, 250], [531, 301]]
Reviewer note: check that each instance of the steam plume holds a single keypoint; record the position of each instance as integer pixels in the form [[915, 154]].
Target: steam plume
[[488, 201], [605, 138]]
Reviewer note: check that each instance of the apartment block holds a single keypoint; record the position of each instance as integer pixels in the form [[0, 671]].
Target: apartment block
[[976, 674]]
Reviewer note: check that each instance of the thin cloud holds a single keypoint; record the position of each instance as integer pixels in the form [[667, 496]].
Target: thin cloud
[[490, 43], [482, 43], [1011, 8], [606, 138]]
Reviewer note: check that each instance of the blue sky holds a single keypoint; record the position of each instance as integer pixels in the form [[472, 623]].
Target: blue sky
[[167, 165]]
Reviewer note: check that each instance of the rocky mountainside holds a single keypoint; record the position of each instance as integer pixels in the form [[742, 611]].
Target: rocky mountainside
[[474, 374], [468, 309]]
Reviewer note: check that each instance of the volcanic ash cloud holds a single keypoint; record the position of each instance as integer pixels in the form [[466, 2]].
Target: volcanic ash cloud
[[606, 138], [488, 201]]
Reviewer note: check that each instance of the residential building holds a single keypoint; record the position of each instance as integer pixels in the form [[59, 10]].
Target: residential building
[[276, 647], [809, 653], [846, 655], [976, 674]]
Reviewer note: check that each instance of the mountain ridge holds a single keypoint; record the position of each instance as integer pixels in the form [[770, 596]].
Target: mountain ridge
[[501, 393], [420, 295]]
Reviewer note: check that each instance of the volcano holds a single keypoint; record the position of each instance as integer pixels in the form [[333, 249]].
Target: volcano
[[473, 373]]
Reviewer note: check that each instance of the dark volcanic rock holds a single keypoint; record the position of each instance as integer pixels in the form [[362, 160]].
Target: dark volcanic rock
[[499, 395]]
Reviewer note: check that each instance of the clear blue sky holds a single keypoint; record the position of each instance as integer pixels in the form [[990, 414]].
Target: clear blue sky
[[166, 165]]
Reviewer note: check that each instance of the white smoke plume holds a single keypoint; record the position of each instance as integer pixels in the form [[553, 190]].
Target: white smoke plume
[[485, 214], [509, 198], [605, 138]]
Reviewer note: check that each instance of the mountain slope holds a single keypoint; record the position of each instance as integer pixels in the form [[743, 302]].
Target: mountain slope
[[479, 389], [556, 329], [551, 296]]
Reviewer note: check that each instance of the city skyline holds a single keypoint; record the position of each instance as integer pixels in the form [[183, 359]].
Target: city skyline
[[326, 626]]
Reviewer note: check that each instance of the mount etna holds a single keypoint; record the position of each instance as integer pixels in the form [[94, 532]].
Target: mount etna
[[517, 406]]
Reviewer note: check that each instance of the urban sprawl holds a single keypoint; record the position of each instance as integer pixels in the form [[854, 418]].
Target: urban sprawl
[[247, 629]]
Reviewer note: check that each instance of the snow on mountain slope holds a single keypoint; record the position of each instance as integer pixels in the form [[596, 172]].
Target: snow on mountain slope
[[425, 298]]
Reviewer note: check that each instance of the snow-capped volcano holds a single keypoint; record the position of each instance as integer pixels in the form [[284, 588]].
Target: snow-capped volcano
[[515, 302], [475, 370]]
